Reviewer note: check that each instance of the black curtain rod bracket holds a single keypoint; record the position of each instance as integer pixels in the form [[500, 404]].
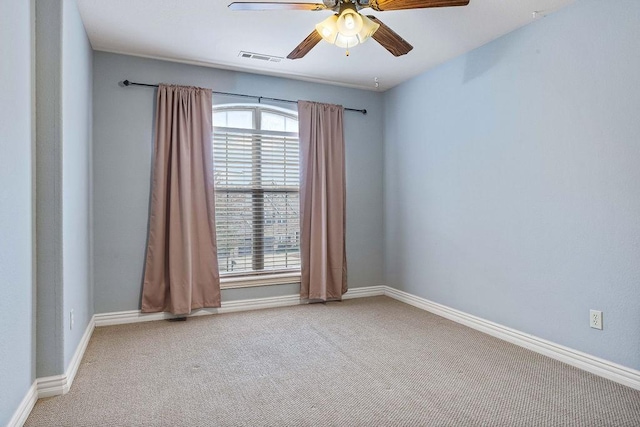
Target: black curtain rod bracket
[[259, 98]]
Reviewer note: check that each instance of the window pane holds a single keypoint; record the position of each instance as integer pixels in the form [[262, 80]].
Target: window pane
[[278, 242], [272, 121], [280, 162], [234, 231], [220, 118], [291, 125], [282, 231], [241, 119], [232, 159]]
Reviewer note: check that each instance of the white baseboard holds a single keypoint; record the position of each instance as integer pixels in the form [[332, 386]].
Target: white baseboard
[[595, 365], [368, 291], [135, 316], [72, 369], [60, 384], [54, 385], [25, 407]]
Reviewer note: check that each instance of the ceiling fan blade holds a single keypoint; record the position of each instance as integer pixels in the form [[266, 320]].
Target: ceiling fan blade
[[276, 6], [382, 5], [389, 39], [307, 44]]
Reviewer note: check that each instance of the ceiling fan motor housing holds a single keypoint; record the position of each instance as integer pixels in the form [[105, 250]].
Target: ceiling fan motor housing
[[330, 4]]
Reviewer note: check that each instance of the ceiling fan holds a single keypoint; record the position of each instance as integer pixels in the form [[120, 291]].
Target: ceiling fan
[[347, 27]]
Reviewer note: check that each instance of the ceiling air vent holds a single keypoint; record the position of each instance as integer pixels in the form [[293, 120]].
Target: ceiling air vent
[[259, 56]]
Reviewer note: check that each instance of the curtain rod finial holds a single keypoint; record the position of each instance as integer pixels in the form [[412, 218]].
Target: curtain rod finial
[[126, 82]]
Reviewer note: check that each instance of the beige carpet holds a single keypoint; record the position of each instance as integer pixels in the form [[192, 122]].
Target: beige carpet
[[363, 362]]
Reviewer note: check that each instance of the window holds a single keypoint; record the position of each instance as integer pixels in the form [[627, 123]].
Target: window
[[256, 170]]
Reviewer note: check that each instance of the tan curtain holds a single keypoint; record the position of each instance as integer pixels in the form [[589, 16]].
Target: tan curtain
[[181, 270], [322, 202]]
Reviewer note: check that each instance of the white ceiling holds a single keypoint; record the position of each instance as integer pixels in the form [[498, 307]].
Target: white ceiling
[[206, 32]]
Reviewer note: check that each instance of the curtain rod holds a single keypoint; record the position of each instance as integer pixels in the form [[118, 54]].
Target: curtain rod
[[130, 83]]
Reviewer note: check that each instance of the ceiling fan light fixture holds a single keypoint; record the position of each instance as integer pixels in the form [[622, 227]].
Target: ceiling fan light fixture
[[346, 29], [368, 28], [328, 29], [349, 22], [346, 41]]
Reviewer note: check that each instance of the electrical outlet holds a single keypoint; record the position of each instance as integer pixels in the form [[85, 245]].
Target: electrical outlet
[[595, 319], [71, 319]]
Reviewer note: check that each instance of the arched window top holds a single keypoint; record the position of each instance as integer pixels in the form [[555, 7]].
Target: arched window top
[[255, 116]]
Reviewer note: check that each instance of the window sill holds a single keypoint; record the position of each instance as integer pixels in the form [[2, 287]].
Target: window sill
[[259, 280]]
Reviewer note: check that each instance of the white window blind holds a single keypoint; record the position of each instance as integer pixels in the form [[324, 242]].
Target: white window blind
[[256, 170]]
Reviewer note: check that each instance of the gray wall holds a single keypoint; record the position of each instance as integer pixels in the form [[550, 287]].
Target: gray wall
[[17, 351], [64, 114], [77, 115], [512, 180], [123, 140], [48, 189]]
